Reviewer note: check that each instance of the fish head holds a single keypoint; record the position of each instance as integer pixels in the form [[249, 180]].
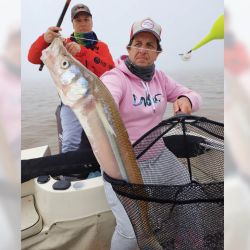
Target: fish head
[[72, 79]]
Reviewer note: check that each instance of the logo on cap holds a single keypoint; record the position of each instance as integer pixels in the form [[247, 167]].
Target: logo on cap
[[147, 24]]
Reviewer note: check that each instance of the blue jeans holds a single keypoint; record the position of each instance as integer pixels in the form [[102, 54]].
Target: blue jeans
[[72, 130]]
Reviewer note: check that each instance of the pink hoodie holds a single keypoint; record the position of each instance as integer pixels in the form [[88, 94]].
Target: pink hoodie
[[143, 104]]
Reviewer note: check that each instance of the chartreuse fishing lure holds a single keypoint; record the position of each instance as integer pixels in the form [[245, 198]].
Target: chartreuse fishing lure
[[216, 32]]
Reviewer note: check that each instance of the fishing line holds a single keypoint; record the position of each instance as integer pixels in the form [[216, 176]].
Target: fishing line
[[181, 54], [82, 38], [93, 40], [134, 47]]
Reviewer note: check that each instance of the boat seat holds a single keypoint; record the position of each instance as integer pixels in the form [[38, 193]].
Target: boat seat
[[31, 222]]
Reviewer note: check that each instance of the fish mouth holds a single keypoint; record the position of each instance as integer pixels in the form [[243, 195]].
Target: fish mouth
[[53, 50], [46, 56]]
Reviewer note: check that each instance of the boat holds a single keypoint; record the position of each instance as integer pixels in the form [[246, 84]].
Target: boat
[[74, 218], [77, 216]]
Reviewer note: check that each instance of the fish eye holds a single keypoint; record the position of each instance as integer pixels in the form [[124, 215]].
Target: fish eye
[[65, 64]]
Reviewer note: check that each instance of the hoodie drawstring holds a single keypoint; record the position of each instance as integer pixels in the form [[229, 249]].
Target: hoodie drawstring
[[146, 87]]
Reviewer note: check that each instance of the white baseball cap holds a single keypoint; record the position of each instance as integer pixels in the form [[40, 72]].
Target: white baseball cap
[[146, 25]]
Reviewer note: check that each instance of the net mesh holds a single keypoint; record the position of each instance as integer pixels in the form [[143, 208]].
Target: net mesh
[[181, 203]]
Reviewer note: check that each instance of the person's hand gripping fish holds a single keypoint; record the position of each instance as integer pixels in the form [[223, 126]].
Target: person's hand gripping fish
[[53, 32], [73, 48]]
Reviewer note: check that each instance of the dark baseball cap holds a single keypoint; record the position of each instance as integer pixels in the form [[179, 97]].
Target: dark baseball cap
[[79, 8]]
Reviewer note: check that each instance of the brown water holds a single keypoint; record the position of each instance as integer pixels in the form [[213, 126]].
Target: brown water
[[40, 99]]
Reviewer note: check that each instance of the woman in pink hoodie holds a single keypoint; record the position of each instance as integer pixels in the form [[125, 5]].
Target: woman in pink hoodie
[[141, 93]]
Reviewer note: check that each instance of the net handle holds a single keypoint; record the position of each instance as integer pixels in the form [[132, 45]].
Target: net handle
[[180, 114]]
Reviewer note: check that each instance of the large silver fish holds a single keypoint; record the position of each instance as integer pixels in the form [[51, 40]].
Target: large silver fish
[[96, 110]]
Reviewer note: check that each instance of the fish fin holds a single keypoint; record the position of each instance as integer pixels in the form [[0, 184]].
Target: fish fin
[[104, 119]]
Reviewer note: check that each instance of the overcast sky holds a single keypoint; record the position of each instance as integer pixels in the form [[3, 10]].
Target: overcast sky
[[184, 23]]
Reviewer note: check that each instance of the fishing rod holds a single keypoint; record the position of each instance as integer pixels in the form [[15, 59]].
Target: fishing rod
[[59, 22]]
